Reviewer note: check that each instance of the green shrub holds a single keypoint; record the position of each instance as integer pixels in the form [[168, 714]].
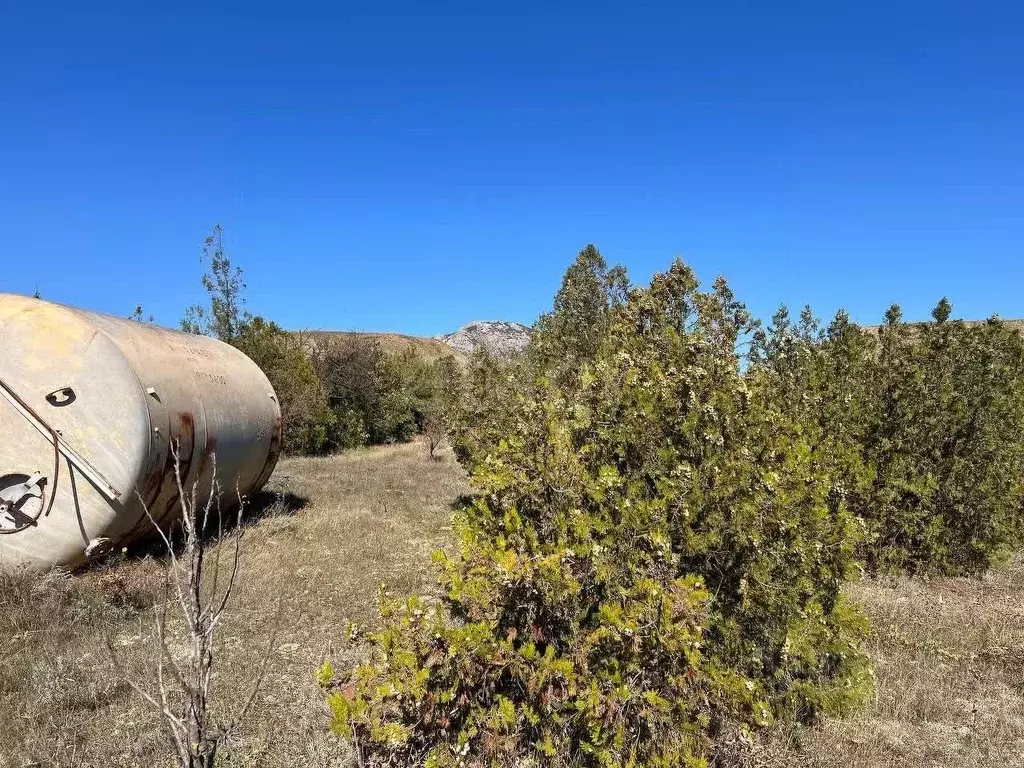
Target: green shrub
[[651, 554], [947, 444], [556, 638], [349, 429], [482, 403], [308, 423], [408, 386], [921, 426], [376, 397], [751, 509]]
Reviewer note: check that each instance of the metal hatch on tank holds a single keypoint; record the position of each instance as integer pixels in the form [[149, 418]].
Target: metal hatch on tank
[[90, 406]]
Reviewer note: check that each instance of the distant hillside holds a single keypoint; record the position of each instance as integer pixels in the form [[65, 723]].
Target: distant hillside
[[396, 343], [1017, 325], [501, 338]]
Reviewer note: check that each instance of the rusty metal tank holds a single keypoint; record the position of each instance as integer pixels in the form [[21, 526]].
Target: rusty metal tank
[[90, 407]]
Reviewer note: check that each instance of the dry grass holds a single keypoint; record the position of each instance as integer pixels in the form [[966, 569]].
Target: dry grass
[[949, 662], [353, 521], [949, 653]]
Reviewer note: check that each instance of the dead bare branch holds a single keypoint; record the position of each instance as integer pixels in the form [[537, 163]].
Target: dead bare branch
[[194, 591]]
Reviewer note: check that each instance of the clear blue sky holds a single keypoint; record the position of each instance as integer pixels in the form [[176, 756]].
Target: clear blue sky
[[415, 166]]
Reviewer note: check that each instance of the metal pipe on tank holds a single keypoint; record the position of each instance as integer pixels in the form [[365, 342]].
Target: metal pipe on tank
[[97, 413]]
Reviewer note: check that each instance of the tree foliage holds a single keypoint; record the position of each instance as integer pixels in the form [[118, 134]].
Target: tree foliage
[[947, 444], [579, 320], [335, 392], [651, 554], [308, 422], [928, 424], [224, 317], [376, 396]]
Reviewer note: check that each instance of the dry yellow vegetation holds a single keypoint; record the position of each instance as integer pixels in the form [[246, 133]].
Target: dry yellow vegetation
[[354, 521], [949, 653], [949, 664], [398, 343]]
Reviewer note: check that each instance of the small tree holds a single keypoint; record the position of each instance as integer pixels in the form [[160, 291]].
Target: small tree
[[310, 425], [651, 554], [433, 431], [443, 411], [572, 331], [224, 317]]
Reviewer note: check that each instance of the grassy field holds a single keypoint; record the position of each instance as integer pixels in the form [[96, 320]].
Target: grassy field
[[348, 524], [949, 662], [949, 653]]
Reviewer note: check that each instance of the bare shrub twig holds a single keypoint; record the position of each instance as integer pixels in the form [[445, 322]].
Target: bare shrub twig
[[198, 589]]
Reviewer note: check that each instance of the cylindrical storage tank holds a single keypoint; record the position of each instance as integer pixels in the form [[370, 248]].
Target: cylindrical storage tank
[[93, 409]]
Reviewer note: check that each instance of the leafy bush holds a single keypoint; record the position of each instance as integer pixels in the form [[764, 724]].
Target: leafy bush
[[923, 426], [335, 393], [408, 386], [481, 410], [308, 423], [751, 509], [376, 397], [555, 638], [947, 444], [651, 554]]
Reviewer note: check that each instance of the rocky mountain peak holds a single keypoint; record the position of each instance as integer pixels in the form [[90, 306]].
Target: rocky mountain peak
[[500, 337]]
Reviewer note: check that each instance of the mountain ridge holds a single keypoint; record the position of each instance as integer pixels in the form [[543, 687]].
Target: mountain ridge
[[501, 337]]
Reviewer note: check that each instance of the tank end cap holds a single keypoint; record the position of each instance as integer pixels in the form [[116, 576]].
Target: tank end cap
[[98, 547]]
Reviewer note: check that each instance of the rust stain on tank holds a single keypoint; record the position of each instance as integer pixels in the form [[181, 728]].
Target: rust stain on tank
[[158, 482], [186, 442]]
